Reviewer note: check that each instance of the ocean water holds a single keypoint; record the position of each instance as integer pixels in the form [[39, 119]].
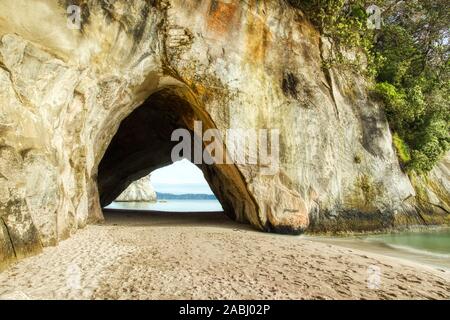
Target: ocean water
[[428, 247], [182, 188], [170, 206], [434, 243]]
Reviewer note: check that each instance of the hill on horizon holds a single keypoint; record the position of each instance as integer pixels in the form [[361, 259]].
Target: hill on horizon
[[185, 196]]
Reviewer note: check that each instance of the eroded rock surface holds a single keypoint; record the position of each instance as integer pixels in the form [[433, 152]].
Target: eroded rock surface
[[231, 64], [433, 193], [138, 191]]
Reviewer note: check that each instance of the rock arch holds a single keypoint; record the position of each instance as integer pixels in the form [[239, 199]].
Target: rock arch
[[143, 144], [233, 64]]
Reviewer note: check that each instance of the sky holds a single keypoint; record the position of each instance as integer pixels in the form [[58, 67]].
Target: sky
[[180, 177]]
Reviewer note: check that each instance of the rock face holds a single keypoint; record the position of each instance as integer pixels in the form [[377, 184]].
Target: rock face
[[138, 191], [86, 110], [433, 194]]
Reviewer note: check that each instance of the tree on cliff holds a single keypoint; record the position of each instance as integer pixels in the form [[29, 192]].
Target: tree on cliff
[[408, 59], [413, 80]]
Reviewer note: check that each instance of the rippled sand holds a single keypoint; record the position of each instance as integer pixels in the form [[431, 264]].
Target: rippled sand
[[206, 256]]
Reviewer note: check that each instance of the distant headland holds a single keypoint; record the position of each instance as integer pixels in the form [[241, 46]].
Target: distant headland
[[186, 196]]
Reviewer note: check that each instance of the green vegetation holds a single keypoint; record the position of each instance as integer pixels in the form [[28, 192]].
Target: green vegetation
[[357, 159], [369, 190], [402, 149], [407, 58], [345, 23]]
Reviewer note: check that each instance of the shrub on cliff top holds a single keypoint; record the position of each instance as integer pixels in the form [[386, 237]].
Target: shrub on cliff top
[[413, 81], [345, 22], [408, 59]]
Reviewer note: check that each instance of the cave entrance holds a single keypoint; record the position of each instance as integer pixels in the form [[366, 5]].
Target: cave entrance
[[183, 187], [179, 187], [143, 144]]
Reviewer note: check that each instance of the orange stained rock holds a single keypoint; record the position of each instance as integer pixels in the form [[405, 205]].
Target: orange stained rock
[[257, 33], [220, 16]]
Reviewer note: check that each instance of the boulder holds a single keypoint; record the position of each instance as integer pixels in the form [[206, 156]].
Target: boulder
[[138, 191]]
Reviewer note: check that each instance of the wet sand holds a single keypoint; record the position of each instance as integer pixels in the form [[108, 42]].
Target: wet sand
[[142, 255]]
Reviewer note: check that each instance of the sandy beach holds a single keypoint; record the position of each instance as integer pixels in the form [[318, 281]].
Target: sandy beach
[[206, 256]]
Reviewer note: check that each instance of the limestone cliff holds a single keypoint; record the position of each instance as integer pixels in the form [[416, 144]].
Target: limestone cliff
[[433, 193], [138, 191], [86, 110]]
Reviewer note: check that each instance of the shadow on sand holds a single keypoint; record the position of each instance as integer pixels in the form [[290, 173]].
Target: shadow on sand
[[140, 218]]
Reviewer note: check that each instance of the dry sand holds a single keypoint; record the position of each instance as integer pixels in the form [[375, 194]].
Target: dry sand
[[207, 256]]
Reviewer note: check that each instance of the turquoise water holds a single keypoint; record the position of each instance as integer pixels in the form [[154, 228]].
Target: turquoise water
[[435, 243], [170, 206], [428, 247]]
